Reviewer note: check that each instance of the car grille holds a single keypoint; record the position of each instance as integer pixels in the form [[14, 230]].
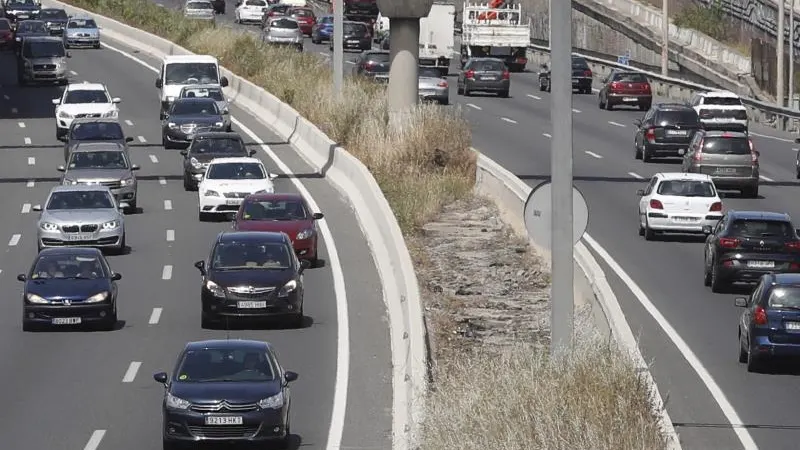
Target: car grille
[[44, 67], [88, 228], [223, 431], [236, 194], [249, 290], [242, 293], [70, 228], [224, 406], [81, 116], [83, 35]]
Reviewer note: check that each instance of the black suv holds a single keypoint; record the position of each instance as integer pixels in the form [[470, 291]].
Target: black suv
[[744, 245], [665, 129], [84, 129], [581, 76]]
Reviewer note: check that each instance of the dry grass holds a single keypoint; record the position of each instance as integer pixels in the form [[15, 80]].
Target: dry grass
[[421, 168]]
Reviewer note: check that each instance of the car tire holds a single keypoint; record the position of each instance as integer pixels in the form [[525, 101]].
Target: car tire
[[110, 324], [646, 156], [706, 275], [717, 285], [466, 90], [644, 106], [133, 206], [122, 245], [460, 91], [742, 350], [637, 154], [600, 103], [797, 174], [60, 133], [541, 86], [206, 322], [609, 106], [750, 192], [503, 94], [28, 326], [97, 46], [641, 227], [649, 234], [754, 363]]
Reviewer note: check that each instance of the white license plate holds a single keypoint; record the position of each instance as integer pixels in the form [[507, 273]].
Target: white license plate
[[352, 42], [488, 78], [223, 420], [677, 132], [79, 237], [22, 16], [233, 202], [684, 219], [574, 80], [251, 305], [761, 264], [66, 320], [794, 326], [630, 99], [725, 170]]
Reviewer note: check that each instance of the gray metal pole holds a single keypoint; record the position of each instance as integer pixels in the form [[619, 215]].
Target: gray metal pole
[[562, 303], [665, 38], [779, 91], [791, 54], [338, 51]]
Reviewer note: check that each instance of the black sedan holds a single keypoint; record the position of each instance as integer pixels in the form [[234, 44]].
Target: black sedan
[[187, 117], [29, 28], [227, 391], [251, 275], [84, 130], [69, 286], [582, 76], [55, 19], [356, 36], [204, 148], [19, 10]]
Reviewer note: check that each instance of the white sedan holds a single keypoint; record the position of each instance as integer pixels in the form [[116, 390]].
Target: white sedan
[[251, 11], [83, 100], [228, 181], [678, 203]]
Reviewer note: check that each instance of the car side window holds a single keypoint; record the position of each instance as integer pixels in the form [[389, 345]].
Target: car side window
[[650, 186], [721, 225], [649, 116], [695, 141], [759, 290]]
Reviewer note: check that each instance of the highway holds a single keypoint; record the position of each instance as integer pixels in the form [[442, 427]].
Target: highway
[[72, 389]]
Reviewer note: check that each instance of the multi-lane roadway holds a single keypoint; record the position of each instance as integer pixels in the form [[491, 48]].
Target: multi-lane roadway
[[77, 390]]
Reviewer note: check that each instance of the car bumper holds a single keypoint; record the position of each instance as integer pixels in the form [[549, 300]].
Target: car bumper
[[727, 125], [100, 239], [65, 123], [306, 28], [251, 17], [305, 249], [666, 148], [219, 308], [435, 96], [82, 41], [581, 83], [630, 99], [681, 223], [324, 35], [257, 426], [219, 205], [764, 347], [52, 314], [178, 137], [733, 270], [45, 75], [735, 182], [488, 86]]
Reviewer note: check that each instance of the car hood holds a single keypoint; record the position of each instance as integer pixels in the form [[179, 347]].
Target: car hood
[[87, 108], [234, 392], [97, 175], [73, 290], [89, 31], [81, 216], [290, 227], [198, 119], [251, 186], [252, 277], [48, 60], [74, 143]]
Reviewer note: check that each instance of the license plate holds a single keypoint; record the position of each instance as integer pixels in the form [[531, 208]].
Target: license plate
[[79, 237], [223, 420], [761, 264], [684, 219], [233, 202], [66, 320], [677, 132], [630, 99], [725, 170], [251, 305], [488, 78], [22, 16], [574, 80], [352, 42], [794, 326]]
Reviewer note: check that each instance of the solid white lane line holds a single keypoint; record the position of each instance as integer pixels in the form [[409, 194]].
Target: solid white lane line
[[636, 175], [154, 159], [506, 119], [28, 141], [30, 183], [576, 111], [776, 138], [155, 316], [547, 135], [14, 240], [170, 235], [162, 181], [130, 374], [795, 149], [167, 205], [31, 161], [336, 428], [716, 392], [142, 139], [767, 179], [350, 62], [26, 208], [535, 97], [325, 54], [95, 439], [593, 154], [21, 124], [129, 123], [474, 106], [166, 272], [14, 110], [611, 122]]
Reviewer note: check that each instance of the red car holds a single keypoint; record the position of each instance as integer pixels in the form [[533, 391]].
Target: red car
[[305, 18], [6, 35], [288, 213]]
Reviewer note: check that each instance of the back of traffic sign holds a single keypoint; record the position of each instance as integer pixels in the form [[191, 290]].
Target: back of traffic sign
[[539, 212]]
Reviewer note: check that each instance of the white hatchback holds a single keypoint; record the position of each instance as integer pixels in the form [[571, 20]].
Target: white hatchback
[[678, 203], [250, 11]]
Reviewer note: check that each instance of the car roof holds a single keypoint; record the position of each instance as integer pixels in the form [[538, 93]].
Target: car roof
[[231, 344], [80, 187], [86, 86], [89, 251], [94, 146], [719, 93], [786, 278], [683, 176], [218, 135], [754, 215], [195, 100], [235, 159], [251, 236], [283, 196], [189, 59], [673, 106]]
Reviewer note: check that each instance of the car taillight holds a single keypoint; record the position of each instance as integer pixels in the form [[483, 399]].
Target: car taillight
[[793, 246], [650, 135], [587, 73], [369, 64], [705, 114], [615, 85], [442, 84], [716, 206], [760, 315], [646, 87], [469, 74], [506, 75], [753, 154], [656, 204], [729, 242]]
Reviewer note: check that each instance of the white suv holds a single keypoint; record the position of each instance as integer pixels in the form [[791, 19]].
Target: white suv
[[81, 100], [720, 110], [228, 181]]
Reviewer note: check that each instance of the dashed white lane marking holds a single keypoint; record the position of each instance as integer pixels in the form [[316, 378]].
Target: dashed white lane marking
[[141, 139], [350, 62], [767, 179], [162, 181], [636, 175], [26, 208], [14, 110], [326, 54], [31, 161], [155, 316], [21, 124], [535, 97], [576, 111], [6, 97], [30, 183], [474, 106], [73, 73], [167, 205], [130, 374], [129, 123], [95, 439], [170, 235], [28, 141], [506, 119], [166, 273], [593, 154], [154, 159], [611, 122], [795, 149], [14, 240], [547, 135]]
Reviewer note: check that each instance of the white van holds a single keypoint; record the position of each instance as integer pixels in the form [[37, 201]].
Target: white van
[[178, 71]]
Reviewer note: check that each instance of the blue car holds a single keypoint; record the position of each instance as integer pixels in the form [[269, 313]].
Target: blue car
[[69, 286], [769, 327], [322, 30]]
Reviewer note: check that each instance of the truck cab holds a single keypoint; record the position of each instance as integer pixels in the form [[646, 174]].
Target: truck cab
[[179, 71]]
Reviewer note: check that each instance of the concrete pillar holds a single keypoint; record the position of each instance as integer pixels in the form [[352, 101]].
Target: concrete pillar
[[404, 18]]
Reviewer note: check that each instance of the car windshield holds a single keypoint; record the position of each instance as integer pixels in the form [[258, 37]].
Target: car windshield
[[326, 20], [5, 25], [630, 77], [32, 26], [195, 108], [284, 23], [215, 145], [427, 72], [191, 73], [68, 266], [784, 297], [97, 131], [488, 66], [274, 210], [85, 23], [250, 255], [354, 28], [18, 3], [213, 93], [686, 188], [49, 14], [236, 171], [87, 96], [685, 117], [302, 13], [378, 57], [98, 160], [722, 101], [66, 200], [726, 146], [199, 5], [43, 49], [210, 365], [761, 228]]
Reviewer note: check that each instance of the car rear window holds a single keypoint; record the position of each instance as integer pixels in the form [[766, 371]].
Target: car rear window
[[302, 13], [685, 117], [378, 57], [284, 23], [784, 297], [686, 188], [630, 78], [726, 146], [579, 63], [761, 228], [488, 66], [722, 101]]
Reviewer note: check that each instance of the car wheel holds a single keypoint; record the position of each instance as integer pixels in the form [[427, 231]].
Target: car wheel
[[460, 91], [706, 275], [541, 86], [133, 206], [641, 227], [121, 249], [111, 323], [717, 284], [186, 186], [609, 106], [643, 106], [60, 133], [646, 156], [466, 90], [637, 151], [742, 350], [798, 173], [754, 363], [97, 46], [649, 234], [66, 46], [600, 103], [503, 94], [750, 192]]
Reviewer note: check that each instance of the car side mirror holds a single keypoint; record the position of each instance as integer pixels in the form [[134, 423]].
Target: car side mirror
[[201, 266], [251, 152], [161, 377], [758, 154], [37, 207], [797, 140], [741, 302], [56, 101], [61, 169], [305, 264], [116, 276], [640, 192], [185, 152], [317, 216], [21, 277], [290, 376], [128, 139], [273, 176], [135, 167], [116, 100], [223, 81], [707, 229], [69, 55], [159, 83], [681, 152]]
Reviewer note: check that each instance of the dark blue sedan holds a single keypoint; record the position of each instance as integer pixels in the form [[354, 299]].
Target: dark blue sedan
[[770, 324], [322, 30], [68, 287]]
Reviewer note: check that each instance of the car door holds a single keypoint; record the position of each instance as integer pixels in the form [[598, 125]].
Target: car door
[[693, 146], [711, 240], [746, 318], [645, 199]]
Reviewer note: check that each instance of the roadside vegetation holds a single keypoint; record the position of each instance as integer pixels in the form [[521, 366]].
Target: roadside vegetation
[[517, 398]]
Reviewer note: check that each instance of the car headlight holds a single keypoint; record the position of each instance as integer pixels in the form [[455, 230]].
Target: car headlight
[[215, 289], [305, 234], [172, 125], [33, 298], [176, 402], [170, 99], [210, 193], [97, 298], [287, 288], [127, 182], [219, 124], [68, 182], [18, 39], [47, 226], [112, 114], [274, 402], [64, 115], [195, 163], [110, 225]]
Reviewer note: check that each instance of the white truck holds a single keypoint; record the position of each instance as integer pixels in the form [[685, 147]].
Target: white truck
[[496, 29], [436, 37]]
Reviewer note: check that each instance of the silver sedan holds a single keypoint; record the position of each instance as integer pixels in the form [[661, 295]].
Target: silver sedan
[[81, 215], [432, 86]]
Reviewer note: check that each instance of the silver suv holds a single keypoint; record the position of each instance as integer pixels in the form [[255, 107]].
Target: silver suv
[[728, 156], [42, 59], [103, 163]]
